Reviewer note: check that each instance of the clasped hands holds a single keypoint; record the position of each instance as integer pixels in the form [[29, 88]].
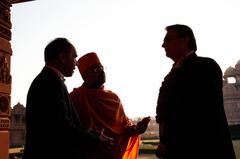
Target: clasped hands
[[161, 151], [140, 128]]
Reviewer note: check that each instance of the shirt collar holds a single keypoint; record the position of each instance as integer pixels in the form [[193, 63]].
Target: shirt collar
[[179, 63], [60, 75]]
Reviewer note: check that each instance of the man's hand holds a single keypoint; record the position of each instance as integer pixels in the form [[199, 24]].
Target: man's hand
[[142, 125], [161, 151], [106, 141]]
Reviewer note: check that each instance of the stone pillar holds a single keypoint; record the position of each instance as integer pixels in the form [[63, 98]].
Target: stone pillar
[[5, 77]]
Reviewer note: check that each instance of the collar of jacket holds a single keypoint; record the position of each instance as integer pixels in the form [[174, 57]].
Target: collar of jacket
[[179, 63], [60, 75]]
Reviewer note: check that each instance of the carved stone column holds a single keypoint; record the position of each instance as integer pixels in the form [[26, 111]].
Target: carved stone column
[[5, 77], [5, 74]]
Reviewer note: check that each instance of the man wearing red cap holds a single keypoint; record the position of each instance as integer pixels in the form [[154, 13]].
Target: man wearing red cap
[[101, 110]]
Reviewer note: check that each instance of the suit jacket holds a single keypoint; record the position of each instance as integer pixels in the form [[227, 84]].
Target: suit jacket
[[190, 112], [53, 129]]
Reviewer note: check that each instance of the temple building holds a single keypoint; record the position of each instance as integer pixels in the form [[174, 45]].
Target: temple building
[[231, 92], [18, 126]]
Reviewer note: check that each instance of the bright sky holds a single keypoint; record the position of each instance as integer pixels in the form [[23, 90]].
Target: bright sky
[[127, 35]]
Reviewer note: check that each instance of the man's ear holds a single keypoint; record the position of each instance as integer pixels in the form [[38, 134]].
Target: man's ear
[[186, 41], [62, 57]]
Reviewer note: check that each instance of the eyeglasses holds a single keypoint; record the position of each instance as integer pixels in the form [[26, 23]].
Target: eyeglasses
[[98, 68]]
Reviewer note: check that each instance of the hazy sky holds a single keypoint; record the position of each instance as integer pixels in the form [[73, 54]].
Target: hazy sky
[[127, 35]]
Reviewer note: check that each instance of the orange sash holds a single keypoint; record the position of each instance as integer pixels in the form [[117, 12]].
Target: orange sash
[[102, 109]]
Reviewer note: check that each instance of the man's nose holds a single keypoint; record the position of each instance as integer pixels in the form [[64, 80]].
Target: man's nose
[[163, 45]]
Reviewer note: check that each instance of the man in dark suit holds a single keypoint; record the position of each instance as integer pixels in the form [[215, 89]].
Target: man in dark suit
[[53, 129], [190, 110]]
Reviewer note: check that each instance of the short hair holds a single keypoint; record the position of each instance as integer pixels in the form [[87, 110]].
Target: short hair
[[184, 31], [55, 47]]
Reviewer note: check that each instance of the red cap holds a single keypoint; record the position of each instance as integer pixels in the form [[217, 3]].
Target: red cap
[[87, 61]]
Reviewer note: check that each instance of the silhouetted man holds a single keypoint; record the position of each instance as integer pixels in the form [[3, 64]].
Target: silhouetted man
[[190, 109]]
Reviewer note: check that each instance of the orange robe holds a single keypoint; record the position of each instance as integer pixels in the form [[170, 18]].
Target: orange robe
[[102, 109]]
